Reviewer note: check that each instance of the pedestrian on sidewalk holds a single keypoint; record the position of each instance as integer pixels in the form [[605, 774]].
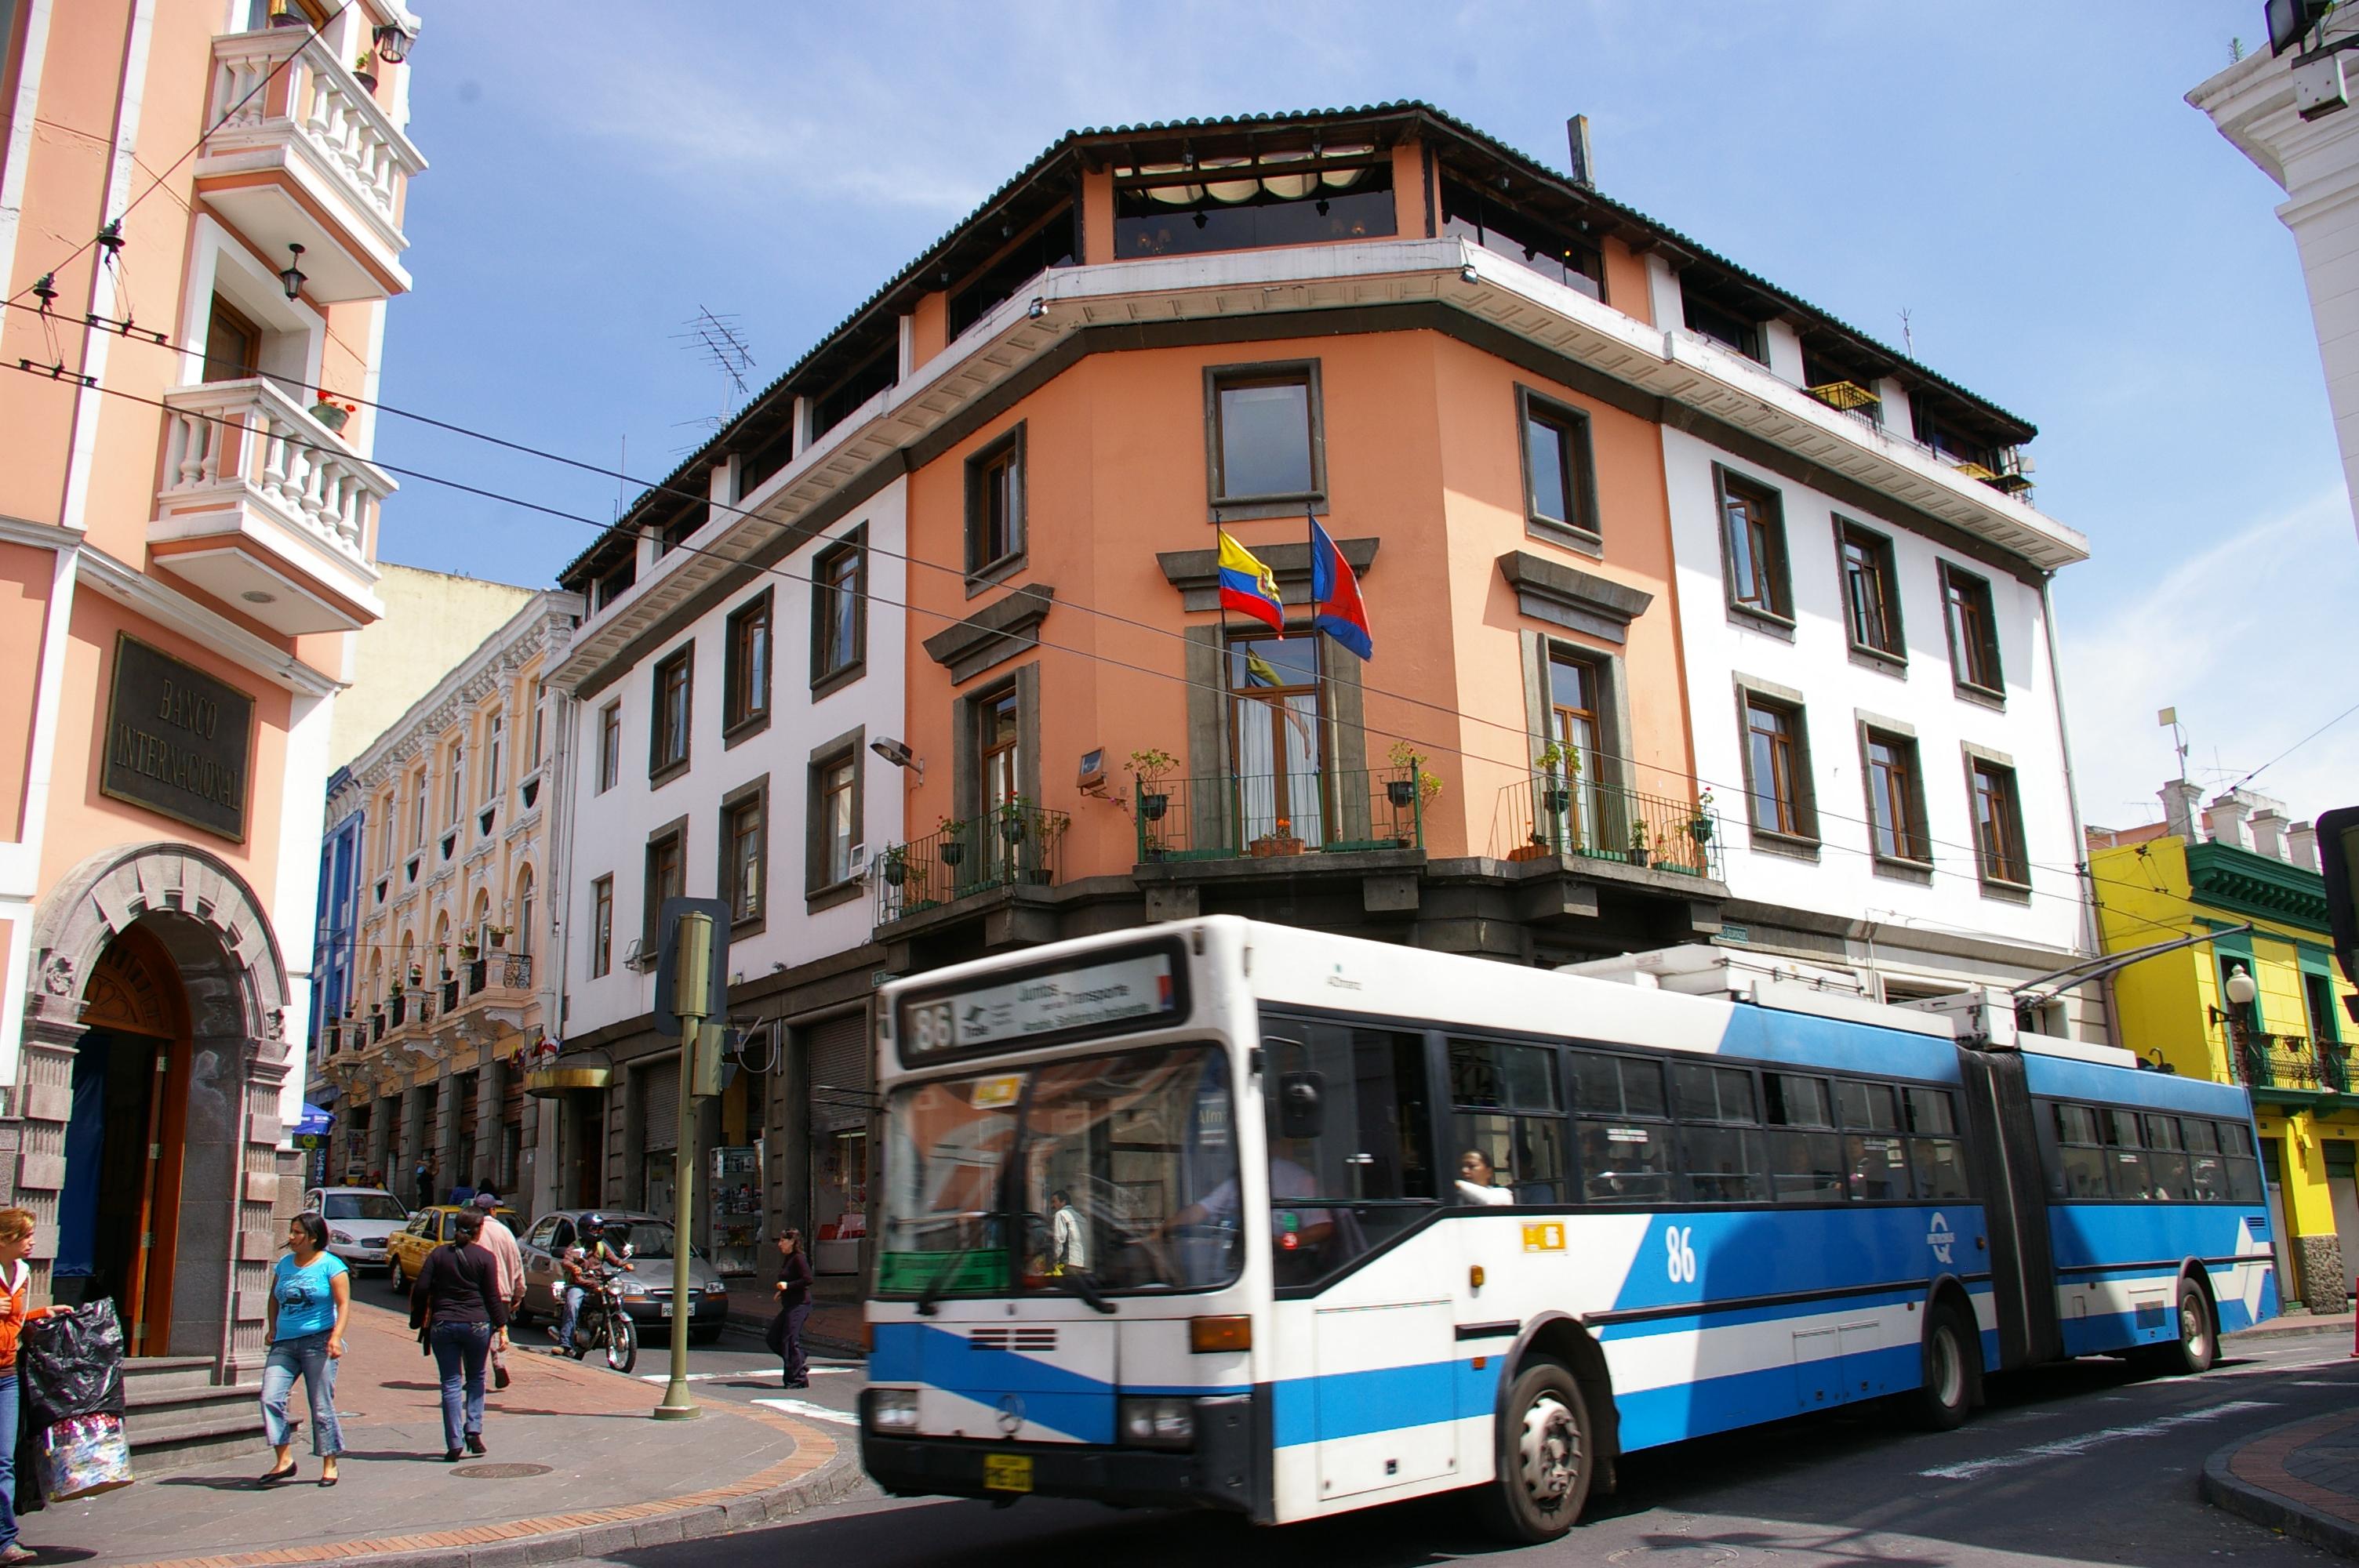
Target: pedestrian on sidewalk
[[426, 1181], [501, 1243], [794, 1296], [457, 1301], [15, 1286], [311, 1305]]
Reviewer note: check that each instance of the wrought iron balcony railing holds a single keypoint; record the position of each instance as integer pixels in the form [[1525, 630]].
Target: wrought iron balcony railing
[[1010, 845], [1548, 816], [510, 971], [2290, 1062], [1273, 816]]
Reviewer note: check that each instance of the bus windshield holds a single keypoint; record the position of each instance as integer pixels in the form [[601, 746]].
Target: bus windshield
[[1110, 1173]]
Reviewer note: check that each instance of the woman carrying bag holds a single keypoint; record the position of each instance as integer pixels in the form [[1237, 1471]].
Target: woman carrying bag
[[458, 1304], [310, 1303], [15, 1284]]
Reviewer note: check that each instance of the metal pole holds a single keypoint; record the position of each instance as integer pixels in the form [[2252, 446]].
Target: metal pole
[[695, 953]]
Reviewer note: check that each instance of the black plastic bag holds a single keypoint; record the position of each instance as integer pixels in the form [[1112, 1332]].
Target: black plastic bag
[[72, 1365]]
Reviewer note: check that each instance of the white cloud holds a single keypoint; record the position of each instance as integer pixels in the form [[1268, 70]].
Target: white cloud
[[2250, 639]]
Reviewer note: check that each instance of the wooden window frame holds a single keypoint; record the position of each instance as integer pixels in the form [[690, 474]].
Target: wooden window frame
[[1768, 522], [819, 891], [1959, 589], [1901, 792], [1220, 507], [852, 547], [662, 769], [1802, 837], [672, 834], [1005, 451], [610, 746], [1990, 870], [602, 925], [1584, 531], [739, 716], [754, 793], [1877, 549]]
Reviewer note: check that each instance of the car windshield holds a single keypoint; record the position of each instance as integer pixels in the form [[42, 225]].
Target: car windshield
[[645, 1237], [1105, 1175], [362, 1205]]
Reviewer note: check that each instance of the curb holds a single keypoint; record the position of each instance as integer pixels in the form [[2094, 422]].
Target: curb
[[2222, 1489], [2285, 1328], [683, 1519]]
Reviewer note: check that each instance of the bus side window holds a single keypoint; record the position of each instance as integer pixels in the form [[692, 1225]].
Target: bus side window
[[1877, 1162], [1935, 1152], [2165, 1161], [2207, 1173], [2244, 1168], [1720, 1140], [2125, 1155], [1624, 1128], [2082, 1152], [1508, 1135], [1806, 1161]]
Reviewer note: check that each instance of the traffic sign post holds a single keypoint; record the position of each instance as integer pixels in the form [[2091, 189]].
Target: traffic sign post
[[697, 992]]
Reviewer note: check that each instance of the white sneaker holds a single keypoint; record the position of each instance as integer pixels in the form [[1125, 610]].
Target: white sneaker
[[16, 1553]]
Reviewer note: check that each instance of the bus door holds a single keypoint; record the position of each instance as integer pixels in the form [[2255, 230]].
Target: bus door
[[2013, 1187]]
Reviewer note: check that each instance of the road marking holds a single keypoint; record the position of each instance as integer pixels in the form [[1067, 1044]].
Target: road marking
[[816, 1412], [2065, 1448]]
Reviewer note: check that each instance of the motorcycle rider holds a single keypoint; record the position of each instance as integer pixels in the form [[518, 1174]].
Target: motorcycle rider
[[590, 1256]]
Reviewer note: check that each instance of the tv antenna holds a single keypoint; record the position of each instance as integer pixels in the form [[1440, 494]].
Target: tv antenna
[[717, 342]]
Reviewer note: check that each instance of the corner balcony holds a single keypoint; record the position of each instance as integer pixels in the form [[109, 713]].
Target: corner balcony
[[981, 868], [1550, 817], [309, 159], [1276, 817], [2287, 1072], [265, 508]]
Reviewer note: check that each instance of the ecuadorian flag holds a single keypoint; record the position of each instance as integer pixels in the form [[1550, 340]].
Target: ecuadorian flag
[[1248, 587]]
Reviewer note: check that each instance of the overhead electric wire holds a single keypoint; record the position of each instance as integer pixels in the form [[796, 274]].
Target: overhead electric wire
[[1970, 852]]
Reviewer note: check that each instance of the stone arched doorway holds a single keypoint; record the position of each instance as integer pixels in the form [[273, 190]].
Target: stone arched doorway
[[154, 1057]]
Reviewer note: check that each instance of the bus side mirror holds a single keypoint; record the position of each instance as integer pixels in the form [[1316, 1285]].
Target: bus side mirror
[[1301, 1106]]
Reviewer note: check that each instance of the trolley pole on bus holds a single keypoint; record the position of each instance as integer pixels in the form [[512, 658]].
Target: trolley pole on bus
[[692, 976]]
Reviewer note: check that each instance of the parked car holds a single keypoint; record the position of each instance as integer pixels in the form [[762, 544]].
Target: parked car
[[406, 1249], [647, 1294], [359, 1221]]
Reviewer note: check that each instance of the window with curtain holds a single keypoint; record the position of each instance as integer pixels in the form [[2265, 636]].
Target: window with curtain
[[1896, 799], [1776, 777], [1753, 545], [1871, 593], [1277, 731], [1574, 725]]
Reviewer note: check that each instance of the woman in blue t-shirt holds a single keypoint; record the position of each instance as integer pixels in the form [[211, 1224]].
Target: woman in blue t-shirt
[[310, 1301]]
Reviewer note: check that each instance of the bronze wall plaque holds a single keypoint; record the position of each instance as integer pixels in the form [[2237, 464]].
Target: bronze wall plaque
[[178, 741]]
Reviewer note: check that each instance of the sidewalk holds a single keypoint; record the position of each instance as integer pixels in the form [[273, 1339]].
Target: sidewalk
[[576, 1467], [2302, 1477], [833, 1327]]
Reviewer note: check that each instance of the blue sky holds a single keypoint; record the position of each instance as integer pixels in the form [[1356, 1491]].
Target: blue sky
[[2067, 237]]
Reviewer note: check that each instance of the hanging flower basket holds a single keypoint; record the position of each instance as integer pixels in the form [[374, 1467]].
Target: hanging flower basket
[[1153, 806], [896, 871], [1700, 829], [1557, 799], [1402, 793], [953, 852]]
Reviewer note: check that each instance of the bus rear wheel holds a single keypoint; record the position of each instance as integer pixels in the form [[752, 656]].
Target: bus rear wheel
[[1546, 1457], [2197, 1347], [1945, 1394]]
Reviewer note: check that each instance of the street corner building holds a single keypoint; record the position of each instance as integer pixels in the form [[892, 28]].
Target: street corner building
[[2261, 1003], [189, 527], [1334, 518]]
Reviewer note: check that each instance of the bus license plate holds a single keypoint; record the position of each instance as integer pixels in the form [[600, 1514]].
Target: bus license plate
[[1008, 1472]]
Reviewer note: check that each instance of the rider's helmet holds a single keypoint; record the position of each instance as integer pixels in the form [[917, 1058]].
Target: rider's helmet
[[593, 1224]]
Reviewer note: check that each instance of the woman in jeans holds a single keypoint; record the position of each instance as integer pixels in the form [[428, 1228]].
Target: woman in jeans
[[457, 1301], [310, 1303], [15, 1283]]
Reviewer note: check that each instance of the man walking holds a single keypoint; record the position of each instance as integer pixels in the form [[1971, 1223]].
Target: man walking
[[425, 1180], [501, 1243]]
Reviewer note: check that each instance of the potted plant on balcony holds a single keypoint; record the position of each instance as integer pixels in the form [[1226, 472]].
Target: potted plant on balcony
[[1639, 853], [364, 71], [954, 836], [895, 867], [331, 413], [1015, 816], [1280, 840], [1559, 766], [467, 951], [1150, 767], [1411, 761], [498, 934], [1699, 825]]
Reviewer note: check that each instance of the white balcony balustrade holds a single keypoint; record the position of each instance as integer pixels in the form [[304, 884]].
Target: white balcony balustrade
[[301, 152], [262, 506]]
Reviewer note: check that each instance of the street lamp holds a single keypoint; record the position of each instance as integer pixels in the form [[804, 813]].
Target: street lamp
[[2240, 991]]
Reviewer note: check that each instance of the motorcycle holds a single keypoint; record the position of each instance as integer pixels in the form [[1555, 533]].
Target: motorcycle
[[604, 1321]]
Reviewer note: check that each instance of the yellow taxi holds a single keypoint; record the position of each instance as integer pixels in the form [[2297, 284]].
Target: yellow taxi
[[405, 1249]]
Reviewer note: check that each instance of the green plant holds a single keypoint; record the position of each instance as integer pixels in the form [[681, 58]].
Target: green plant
[[1557, 761], [1405, 755], [1151, 767], [1637, 833]]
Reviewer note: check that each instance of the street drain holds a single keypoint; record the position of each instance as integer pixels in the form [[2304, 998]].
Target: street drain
[[499, 1472]]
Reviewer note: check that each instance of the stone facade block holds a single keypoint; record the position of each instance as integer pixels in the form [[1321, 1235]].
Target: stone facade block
[[46, 1172], [262, 1187], [50, 1102], [2322, 1290]]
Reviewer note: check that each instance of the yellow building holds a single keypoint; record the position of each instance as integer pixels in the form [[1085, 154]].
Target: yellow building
[[2218, 869]]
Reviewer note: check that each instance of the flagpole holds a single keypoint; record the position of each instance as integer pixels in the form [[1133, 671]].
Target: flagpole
[[1231, 806]]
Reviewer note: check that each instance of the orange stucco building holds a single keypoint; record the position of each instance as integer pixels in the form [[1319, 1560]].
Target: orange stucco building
[[200, 225]]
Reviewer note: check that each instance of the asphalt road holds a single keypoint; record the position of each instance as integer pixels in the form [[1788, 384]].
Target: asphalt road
[[2089, 1463]]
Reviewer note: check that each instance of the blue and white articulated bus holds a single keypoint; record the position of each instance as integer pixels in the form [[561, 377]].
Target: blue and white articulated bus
[[1242, 1216]]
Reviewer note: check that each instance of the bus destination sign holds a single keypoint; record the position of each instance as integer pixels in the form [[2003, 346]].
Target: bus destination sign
[[1138, 991]]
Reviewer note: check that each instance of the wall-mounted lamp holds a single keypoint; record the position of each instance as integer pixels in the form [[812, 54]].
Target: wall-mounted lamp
[[2240, 991], [1467, 274], [291, 279], [898, 754], [392, 43], [1038, 308]]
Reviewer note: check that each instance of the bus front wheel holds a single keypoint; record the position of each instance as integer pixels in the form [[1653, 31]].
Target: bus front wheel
[[1546, 1457], [1945, 1395]]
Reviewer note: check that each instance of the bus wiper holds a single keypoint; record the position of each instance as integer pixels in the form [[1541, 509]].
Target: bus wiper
[[1080, 1285]]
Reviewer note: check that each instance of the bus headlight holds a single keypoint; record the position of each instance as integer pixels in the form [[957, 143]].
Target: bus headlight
[[1159, 1420], [892, 1410]]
